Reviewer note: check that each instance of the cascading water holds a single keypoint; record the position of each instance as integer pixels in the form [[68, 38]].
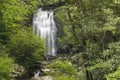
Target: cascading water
[[44, 26]]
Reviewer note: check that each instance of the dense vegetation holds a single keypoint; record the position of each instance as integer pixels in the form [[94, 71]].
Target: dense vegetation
[[88, 31]]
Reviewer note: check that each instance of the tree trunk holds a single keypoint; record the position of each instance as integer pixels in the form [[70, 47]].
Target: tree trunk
[[88, 75]]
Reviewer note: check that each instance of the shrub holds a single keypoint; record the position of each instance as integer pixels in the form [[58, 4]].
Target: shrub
[[63, 70], [26, 48], [64, 77], [6, 64]]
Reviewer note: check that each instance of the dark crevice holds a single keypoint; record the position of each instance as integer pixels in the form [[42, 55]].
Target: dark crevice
[[52, 6]]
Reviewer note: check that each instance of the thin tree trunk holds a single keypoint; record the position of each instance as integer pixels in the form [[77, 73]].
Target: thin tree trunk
[[88, 75]]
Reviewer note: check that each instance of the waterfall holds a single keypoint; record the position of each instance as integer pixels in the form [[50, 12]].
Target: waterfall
[[44, 26]]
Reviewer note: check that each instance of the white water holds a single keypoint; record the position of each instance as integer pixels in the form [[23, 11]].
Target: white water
[[36, 75], [44, 26]]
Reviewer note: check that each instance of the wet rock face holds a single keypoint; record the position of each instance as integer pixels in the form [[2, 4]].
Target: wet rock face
[[34, 68]]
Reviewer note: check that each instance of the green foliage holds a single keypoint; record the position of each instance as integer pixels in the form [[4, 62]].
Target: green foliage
[[6, 68], [108, 62], [64, 77], [64, 67], [85, 21], [15, 14], [26, 48], [48, 2], [6, 64], [63, 70], [87, 29], [114, 76]]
